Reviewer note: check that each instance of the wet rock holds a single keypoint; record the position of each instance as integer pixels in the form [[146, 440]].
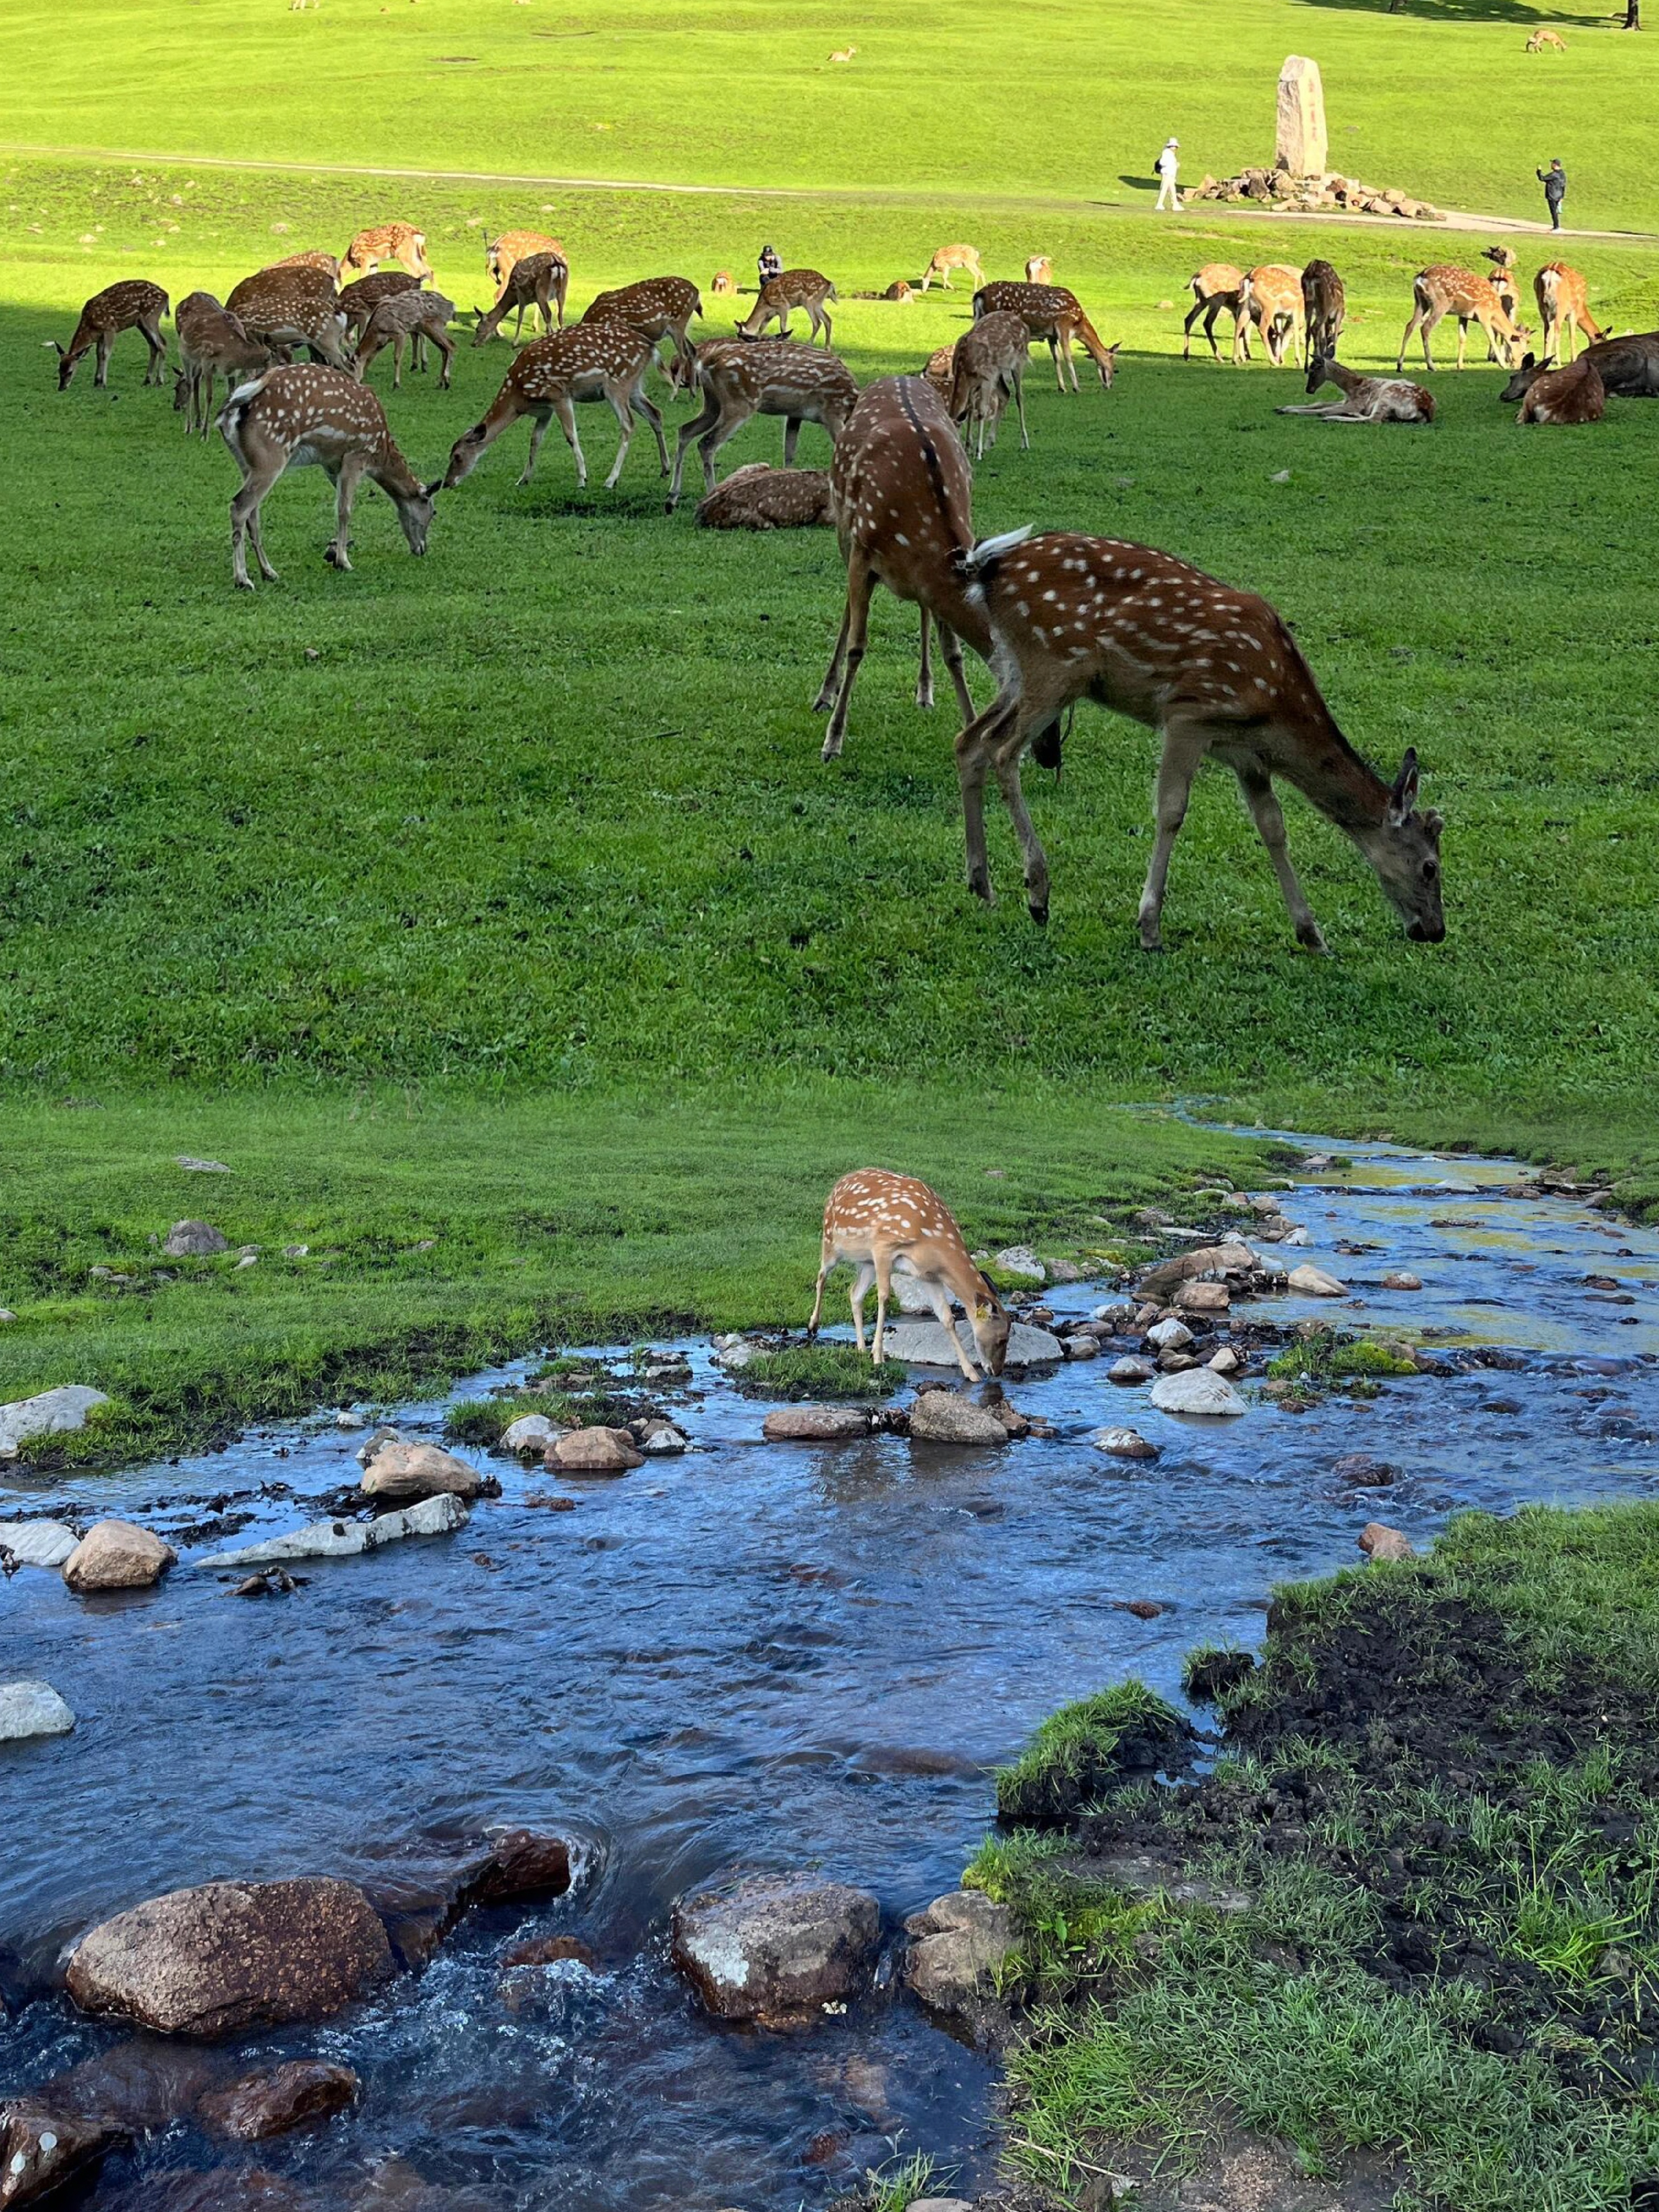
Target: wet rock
[[1020, 1260], [531, 1433], [1203, 1298], [1065, 1271], [1224, 1362], [1113, 1316], [397, 2186], [940, 1417], [1378, 1541], [1399, 1279], [549, 1951], [520, 1863], [595, 1451], [1200, 1391], [49, 1414], [347, 1419], [958, 1946], [663, 1441], [1310, 1282], [279, 2099], [37, 1543], [734, 1353], [1132, 1368], [346, 1539], [373, 1446], [924, 1344], [193, 1240], [406, 1473], [1178, 1363], [815, 1424], [777, 1948], [237, 2188], [1144, 1608], [1080, 1345], [1170, 1335], [32, 1709], [230, 1956], [1123, 1444], [118, 1555], [1360, 1471], [41, 2149]]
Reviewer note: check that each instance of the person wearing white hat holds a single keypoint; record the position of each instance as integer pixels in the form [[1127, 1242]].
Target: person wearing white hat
[[1169, 167]]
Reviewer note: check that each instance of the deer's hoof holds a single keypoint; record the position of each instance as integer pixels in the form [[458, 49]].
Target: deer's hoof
[[1038, 910]]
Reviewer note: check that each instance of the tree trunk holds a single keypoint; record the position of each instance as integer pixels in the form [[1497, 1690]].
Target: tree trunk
[[1633, 16]]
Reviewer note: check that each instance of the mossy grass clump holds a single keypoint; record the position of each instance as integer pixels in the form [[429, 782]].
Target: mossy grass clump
[[1328, 1358], [1087, 1748], [1210, 1670], [486, 1421], [819, 1371]]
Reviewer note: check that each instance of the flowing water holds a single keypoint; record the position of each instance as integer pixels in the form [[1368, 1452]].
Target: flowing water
[[754, 1656]]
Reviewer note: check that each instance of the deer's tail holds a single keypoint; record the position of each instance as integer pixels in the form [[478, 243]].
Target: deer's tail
[[234, 413], [976, 564]]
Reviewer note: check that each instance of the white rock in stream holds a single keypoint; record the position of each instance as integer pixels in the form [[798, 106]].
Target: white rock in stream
[[344, 1540], [1313, 1282], [1197, 1390], [38, 1543], [32, 1709], [53, 1412], [531, 1432], [924, 1344], [1021, 1259]]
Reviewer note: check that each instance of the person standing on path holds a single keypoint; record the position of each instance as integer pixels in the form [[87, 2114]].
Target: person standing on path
[[769, 265], [1555, 181], [1169, 167]]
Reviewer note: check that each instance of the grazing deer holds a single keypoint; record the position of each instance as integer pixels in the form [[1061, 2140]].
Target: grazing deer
[[292, 416], [1215, 288], [757, 497], [1270, 298], [1039, 269], [1214, 670], [1565, 395], [1050, 311], [358, 300], [1628, 367], [132, 305], [510, 245], [1325, 304], [539, 281], [1541, 40], [1564, 307], [794, 288], [723, 284], [987, 371], [661, 306], [1443, 290], [418, 315], [590, 361], [212, 343], [324, 265], [881, 1224], [310, 272], [1503, 279], [903, 509], [386, 241], [767, 376], [289, 307], [1364, 398], [953, 257]]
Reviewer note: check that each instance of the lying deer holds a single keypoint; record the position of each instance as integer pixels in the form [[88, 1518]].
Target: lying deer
[[419, 315], [757, 497], [1565, 395], [212, 343], [1039, 269], [883, 1223], [1050, 311], [1628, 367], [1324, 305], [739, 378], [552, 376], [903, 509], [1364, 398], [1215, 288], [953, 257], [290, 417], [661, 306], [539, 280], [723, 284], [794, 288], [1444, 290], [1270, 298], [1216, 671], [513, 246], [987, 370], [289, 307], [1564, 306], [386, 241], [132, 305]]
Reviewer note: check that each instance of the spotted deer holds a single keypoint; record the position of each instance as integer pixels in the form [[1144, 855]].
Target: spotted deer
[[326, 265], [1566, 395], [212, 343], [1325, 309], [953, 257], [401, 242], [741, 379], [941, 369], [1563, 309], [1270, 300], [1541, 40], [757, 497], [1050, 311], [358, 300], [419, 316], [292, 416], [1039, 269], [883, 1225], [661, 306], [539, 281], [1215, 671], [132, 305], [1628, 367], [987, 370], [1444, 290], [1215, 288], [904, 499], [589, 361], [780, 295], [511, 246], [1364, 398], [1503, 279], [286, 308]]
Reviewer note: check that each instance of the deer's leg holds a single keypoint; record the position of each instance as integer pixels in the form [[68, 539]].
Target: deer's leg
[[1462, 338], [861, 1282], [950, 645], [939, 1298], [100, 374], [245, 524], [790, 439], [518, 327], [884, 1295], [925, 674], [690, 432], [155, 369], [973, 751], [624, 414], [826, 1261], [347, 477], [728, 421], [1039, 706], [445, 346], [649, 410], [1262, 800], [1020, 402], [827, 689], [539, 424], [861, 582], [1183, 754], [1187, 330], [1054, 348]]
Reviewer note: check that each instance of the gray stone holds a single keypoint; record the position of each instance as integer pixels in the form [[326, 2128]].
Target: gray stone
[[665, 1442], [924, 1344], [1199, 1390], [32, 1709], [38, 1543], [1079, 1345], [345, 1539], [1123, 1444], [531, 1432], [201, 1167], [6, 1313], [940, 1417], [736, 1353], [815, 1424], [40, 2147], [1400, 1280], [1170, 1336], [1224, 1362], [958, 1947], [1203, 1298], [777, 1948], [1311, 1282], [1232, 1258], [595, 1451], [193, 1240], [1132, 1368], [404, 1473], [50, 1413], [1302, 148], [346, 1418], [1021, 1259]]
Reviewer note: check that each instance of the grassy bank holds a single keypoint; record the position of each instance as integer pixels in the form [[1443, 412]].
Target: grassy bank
[[1427, 1958]]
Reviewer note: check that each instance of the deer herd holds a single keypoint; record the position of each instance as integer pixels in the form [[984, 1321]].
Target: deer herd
[[1057, 616]]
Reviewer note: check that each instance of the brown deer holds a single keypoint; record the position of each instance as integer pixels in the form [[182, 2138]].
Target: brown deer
[[386, 241], [740, 380], [1324, 305], [1503, 279], [212, 343], [1214, 671], [881, 1224], [1565, 395], [539, 280], [551, 376], [723, 284], [1039, 269], [289, 417], [987, 370], [843, 54], [903, 509], [1628, 367], [794, 288], [1364, 398], [1052, 313], [953, 257], [940, 370], [419, 315], [285, 308], [308, 272], [326, 265], [1444, 290], [510, 245], [1270, 298], [899, 292], [358, 301], [132, 305], [661, 306], [1215, 288], [1564, 306], [757, 497], [1541, 40]]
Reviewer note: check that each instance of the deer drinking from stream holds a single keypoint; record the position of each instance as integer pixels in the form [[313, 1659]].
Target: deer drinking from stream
[[884, 1224]]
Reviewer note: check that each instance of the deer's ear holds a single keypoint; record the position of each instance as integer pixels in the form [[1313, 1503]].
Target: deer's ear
[[1403, 797]]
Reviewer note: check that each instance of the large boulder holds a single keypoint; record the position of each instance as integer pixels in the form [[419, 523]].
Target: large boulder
[[815, 1424], [346, 1539], [406, 1473], [36, 1543], [595, 1451], [193, 1240], [233, 1956], [521, 1862], [41, 2148], [1198, 1390], [958, 1947], [940, 1417], [924, 1344], [118, 1555], [49, 1414], [32, 1709], [278, 2099], [777, 1948]]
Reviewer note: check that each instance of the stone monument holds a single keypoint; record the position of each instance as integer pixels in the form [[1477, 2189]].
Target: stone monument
[[1302, 150]]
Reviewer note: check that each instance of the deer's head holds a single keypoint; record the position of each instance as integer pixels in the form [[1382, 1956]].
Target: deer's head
[[988, 1319], [1319, 372], [1522, 380], [1405, 851], [415, 513], [462, 457], [1106, 362]]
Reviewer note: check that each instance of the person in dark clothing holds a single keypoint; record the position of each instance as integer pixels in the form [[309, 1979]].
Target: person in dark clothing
[[1555, 181], [771, 266]]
